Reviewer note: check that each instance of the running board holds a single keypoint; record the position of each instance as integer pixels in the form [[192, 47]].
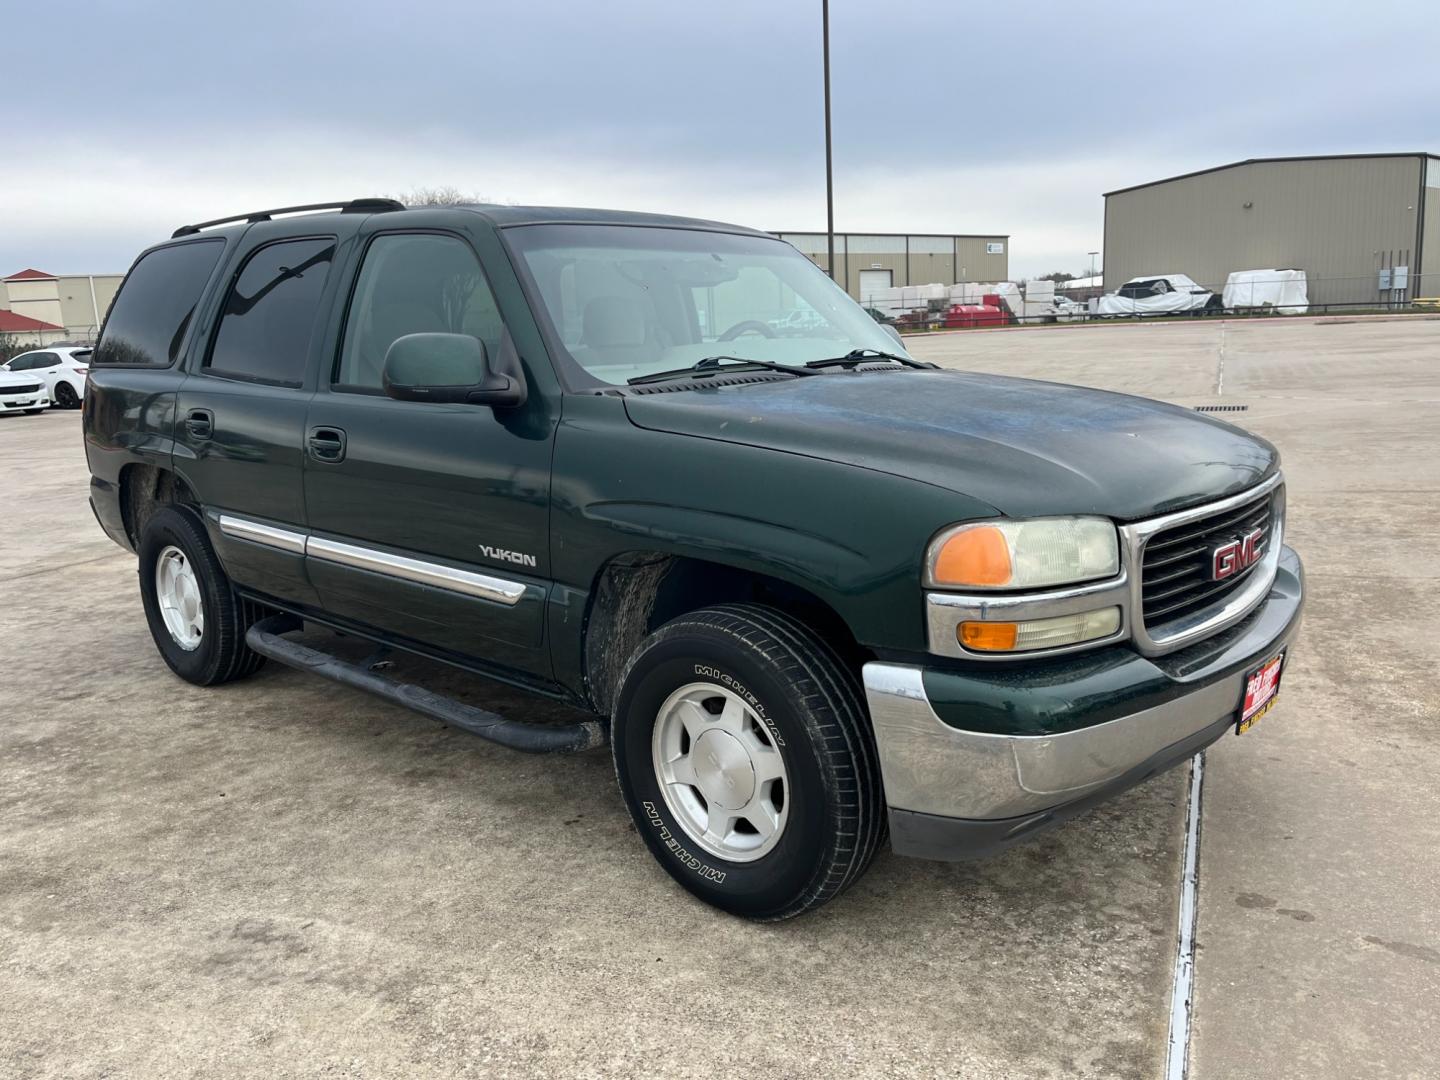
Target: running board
[[264, 638]]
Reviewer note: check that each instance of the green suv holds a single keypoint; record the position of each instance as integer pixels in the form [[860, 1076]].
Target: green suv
[[810, 590]]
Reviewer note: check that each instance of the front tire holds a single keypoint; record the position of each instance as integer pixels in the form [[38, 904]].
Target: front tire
[[743, 752], [195, 617]]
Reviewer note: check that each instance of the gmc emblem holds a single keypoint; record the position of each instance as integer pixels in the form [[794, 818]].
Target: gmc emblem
[[1227, 560]]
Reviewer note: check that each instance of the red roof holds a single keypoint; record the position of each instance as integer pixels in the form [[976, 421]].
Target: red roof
[[31, 275], [11, 323]]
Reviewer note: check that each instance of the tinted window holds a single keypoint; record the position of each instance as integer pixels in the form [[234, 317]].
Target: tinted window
[[265, 327], [31, 361], [414, 284], [148, 320]]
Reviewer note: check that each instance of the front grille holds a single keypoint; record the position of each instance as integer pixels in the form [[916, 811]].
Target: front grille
[[1176, 569], [17, 391]]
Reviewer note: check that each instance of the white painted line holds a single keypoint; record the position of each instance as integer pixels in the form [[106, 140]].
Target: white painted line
[[1177, 1058], [1220, 371]]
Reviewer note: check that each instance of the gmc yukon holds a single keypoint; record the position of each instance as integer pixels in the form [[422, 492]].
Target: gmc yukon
[[811, 591]]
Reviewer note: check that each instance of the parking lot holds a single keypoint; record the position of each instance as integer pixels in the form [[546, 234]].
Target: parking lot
[[282, 877]]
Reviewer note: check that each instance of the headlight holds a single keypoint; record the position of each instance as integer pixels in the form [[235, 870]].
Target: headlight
[[1053, 633], [1023, 554]]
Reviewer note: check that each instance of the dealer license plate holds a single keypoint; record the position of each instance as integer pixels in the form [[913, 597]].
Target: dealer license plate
[[1262, 689]]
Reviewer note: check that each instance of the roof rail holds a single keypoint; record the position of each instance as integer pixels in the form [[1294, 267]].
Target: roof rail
[[354, 206]]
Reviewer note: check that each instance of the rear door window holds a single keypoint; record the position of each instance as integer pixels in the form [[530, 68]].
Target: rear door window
[[269, 314], [156, 304]]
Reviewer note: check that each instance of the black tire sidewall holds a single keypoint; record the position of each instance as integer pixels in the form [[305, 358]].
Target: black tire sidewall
[[179, 528], [766, 885]]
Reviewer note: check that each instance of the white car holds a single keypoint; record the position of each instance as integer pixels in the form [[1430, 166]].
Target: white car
[[23, 392], [60, 369]]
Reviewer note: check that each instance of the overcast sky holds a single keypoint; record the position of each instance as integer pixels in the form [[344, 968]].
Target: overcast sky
[[949, 117]]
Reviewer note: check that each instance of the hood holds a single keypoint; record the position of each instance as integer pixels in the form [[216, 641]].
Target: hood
[[1027, 448], [19, 378]]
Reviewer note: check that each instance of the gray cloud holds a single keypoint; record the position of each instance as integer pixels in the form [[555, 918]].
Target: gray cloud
[[947, 116]]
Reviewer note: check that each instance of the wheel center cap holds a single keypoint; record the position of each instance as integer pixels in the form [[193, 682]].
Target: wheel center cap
[[723, 771]]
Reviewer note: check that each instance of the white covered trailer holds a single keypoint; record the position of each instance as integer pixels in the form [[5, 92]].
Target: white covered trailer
[[1285, 291]]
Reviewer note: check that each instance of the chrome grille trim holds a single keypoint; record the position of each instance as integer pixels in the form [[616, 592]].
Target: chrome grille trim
[[1234, 605]]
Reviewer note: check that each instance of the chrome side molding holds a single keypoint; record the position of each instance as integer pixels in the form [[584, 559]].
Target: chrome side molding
[[404, 567], [416, 570], [268, 535]]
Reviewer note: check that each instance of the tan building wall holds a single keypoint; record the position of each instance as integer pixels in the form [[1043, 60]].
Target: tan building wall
[[66, 301], [1430, 284], [1338, 219], [35, 300], [80, 304], [911, 259]]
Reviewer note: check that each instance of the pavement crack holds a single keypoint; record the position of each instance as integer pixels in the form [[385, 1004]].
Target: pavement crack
[[62, 566]]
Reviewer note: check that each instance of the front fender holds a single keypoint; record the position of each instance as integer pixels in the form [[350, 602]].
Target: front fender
[[853, 537]]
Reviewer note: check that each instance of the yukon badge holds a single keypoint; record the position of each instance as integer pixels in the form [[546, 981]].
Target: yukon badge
[[517, 557], [1227, 560]]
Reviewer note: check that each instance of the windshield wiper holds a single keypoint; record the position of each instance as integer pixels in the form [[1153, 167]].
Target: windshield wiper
[[863, 356], [716, 365]]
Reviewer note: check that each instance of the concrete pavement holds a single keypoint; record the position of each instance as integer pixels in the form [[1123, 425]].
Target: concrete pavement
[[1319, 932], [283, 878]]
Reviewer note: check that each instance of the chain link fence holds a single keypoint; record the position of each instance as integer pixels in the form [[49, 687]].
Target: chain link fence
[[1385, 291]]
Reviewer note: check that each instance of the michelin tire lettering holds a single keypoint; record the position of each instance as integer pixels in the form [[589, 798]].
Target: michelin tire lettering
[[705, 671], [668, 838]]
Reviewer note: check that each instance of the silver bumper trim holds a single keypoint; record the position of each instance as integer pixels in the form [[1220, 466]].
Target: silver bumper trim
[[932, 768]]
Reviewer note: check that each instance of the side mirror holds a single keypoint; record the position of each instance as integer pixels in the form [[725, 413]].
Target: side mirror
[[890, 329], [449, 368]]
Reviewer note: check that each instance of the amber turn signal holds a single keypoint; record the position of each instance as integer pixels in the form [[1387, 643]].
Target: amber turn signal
[[988, 636], [977, 556]]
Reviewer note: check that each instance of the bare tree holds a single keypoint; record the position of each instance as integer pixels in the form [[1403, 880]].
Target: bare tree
[[11, 347], [439, 196]]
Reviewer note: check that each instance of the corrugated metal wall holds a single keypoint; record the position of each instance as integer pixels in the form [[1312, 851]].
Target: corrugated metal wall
[[917, 259], [1430, 285], [1338, 219]]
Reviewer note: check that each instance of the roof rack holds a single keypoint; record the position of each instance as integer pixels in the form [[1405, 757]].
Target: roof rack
[[354, 206]]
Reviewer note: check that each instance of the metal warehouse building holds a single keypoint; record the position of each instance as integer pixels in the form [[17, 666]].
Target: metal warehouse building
[[1364, 227], [869, 262]]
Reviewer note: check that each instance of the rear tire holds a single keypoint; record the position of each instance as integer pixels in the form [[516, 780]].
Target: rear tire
[[65, 396], [764, 797], [204, 640]]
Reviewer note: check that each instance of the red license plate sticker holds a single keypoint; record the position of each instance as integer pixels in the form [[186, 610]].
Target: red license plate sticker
[[1262, 687]]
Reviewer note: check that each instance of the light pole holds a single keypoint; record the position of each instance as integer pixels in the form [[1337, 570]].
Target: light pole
[[829, 172], [1092, 255]]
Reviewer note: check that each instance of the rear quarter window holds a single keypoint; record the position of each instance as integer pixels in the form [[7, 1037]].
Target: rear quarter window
[[156, 304]]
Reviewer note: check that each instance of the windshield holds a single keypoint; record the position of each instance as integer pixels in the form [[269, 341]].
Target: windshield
[[629, 301]]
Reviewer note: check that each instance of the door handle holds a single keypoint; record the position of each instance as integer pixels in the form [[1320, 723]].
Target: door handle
[[327, 444], [200, 423]]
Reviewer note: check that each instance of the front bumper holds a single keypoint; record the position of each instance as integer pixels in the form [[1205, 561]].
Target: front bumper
[[21, 402], [956, 793]]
